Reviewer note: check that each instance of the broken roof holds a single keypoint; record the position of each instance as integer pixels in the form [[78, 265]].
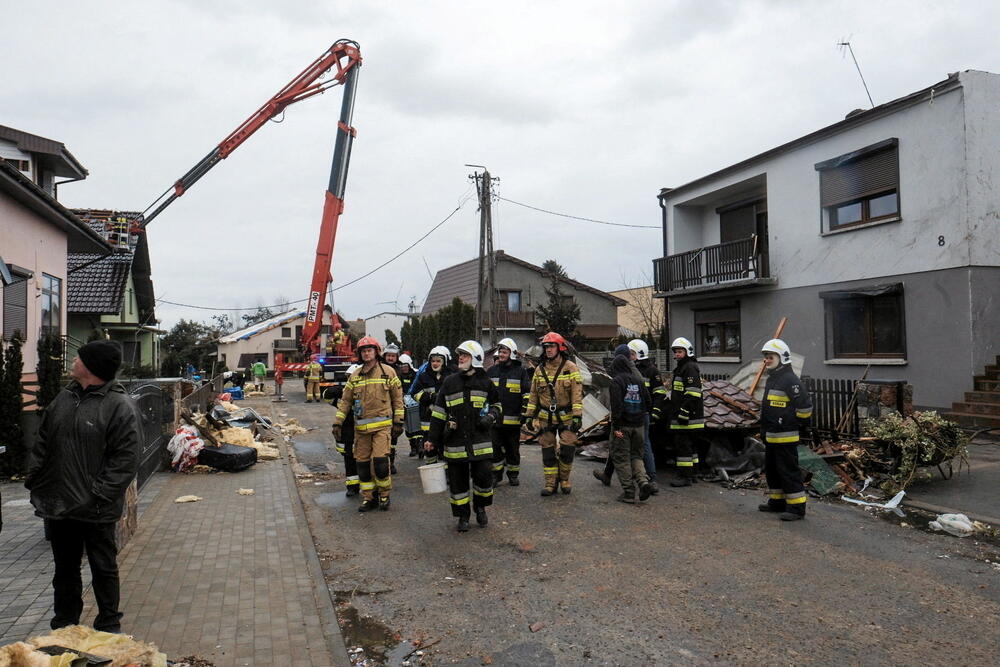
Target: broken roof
[[462, 280], [722, 414], [98, 287], [262, 326], [62, 163]]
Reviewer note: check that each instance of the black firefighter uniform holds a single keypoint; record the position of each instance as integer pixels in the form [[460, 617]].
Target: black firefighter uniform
[[785, 409]]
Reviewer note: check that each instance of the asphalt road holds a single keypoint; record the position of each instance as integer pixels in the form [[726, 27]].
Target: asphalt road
[[694, 576]]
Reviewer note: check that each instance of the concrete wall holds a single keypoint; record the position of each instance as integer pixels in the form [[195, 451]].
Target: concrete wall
[[932, 179], [938, 338], [37, 245], [594, 309], [982, 150]]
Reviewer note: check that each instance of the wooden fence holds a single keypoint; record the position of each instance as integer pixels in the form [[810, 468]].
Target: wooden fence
[[830, 398]]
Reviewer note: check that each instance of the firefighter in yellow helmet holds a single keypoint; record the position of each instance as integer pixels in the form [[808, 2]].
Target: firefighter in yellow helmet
[[555, 408]]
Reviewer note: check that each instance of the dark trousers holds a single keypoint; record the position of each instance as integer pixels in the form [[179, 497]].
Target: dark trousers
[[686, 448], [648, 459], [784, 477], [459, 473], [69, 539], [506, 452], [350, 464]]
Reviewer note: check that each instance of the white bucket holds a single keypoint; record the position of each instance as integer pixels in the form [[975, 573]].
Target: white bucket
[[432, 478]]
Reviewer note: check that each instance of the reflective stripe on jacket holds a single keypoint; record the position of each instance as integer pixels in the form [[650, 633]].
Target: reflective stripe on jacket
[[688, 410], [786, 407], [566, 402], [514, 384], [463, 399], [375, 397]]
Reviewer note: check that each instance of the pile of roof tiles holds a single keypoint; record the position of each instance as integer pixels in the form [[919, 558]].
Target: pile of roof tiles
[[728, 406]]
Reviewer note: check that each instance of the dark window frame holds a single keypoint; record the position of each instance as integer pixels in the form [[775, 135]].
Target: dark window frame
[[726, 318], [833, 349], [861, 196], [51, 294], [286, 332]]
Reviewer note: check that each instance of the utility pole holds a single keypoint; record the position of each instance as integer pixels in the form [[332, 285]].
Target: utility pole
[[486, 315]]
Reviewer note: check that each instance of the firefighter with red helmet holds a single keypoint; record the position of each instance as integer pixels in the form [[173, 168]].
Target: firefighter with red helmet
[[374, 395], [555, 408]]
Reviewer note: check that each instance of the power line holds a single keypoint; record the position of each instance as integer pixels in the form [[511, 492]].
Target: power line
[[461, 203], [576, 217]]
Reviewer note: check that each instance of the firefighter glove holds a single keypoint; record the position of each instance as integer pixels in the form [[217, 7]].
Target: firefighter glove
[[576, 424], [337, 431], [397, 430], [487, 420]]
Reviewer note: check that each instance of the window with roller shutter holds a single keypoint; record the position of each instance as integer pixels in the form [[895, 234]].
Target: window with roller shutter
[[15, 308], [860, 187]]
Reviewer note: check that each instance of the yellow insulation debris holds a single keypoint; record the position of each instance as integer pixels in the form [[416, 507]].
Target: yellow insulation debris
[[121, 649]]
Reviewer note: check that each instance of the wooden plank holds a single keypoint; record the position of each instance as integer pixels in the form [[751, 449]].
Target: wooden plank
[[760, 372]]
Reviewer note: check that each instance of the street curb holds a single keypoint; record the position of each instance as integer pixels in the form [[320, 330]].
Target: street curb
[[328, 614], [930, 507]]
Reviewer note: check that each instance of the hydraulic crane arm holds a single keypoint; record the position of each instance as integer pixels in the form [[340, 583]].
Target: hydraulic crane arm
[[344, 57]]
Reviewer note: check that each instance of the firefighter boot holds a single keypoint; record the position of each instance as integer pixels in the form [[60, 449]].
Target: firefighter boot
[[383, 503], [564, 483], [550, 482], [481, 517], [512, 479], [463, 524], [793, 512], [368, 505], [776, 505], [352, 490]]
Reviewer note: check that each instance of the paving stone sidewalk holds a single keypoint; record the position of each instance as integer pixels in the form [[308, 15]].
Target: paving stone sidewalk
[[233, 579]]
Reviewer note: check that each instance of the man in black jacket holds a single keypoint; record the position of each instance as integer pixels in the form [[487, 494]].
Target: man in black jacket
[[630, 403], [465, 409], [687, 421], [78, 470]]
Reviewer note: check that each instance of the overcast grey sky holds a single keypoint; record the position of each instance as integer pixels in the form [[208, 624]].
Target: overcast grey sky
[[582, 107]]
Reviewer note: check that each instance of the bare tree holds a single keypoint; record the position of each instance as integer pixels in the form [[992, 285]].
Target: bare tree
[[646, 310]]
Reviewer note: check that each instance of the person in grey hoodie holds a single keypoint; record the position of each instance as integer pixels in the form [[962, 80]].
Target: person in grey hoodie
[[78, 470], [630, 403]]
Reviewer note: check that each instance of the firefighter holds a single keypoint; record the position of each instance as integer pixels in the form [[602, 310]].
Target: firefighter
[[786, 408], [407, 375], [465, 410], [424, 390], [314, 373], [687, 411], [513, 382], [374, 394], [391, 356], [555, 408], [345, 443]]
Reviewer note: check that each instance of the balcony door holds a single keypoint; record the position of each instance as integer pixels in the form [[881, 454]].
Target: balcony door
[[743, 235]]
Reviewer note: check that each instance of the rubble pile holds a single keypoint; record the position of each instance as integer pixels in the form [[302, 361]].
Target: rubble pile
[[120, 650]]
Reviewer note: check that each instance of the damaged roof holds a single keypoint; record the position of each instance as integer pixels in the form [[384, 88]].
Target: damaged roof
[[265, 325], [721, 414], [98, 287]]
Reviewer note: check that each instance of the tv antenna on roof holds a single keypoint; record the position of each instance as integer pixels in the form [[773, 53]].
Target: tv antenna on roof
[[847, 43]]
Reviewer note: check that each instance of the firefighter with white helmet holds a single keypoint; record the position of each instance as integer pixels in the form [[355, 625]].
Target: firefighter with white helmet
[[424, 391], [464, 411], [345, 443], [555, 411], [687, 410], [390, 354], [375, 397], [513, 382], [785, 409]]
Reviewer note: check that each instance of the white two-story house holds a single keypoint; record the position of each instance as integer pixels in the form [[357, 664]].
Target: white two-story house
[[877, 237]]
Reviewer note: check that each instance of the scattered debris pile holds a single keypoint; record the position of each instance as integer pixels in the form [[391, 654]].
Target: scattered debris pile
[[894, 448], [78, 644]]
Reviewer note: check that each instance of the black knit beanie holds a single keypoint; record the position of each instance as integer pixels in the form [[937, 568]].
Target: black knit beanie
[[102, 358]]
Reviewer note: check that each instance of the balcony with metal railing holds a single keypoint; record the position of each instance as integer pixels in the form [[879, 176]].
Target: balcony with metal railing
[[740, 263]]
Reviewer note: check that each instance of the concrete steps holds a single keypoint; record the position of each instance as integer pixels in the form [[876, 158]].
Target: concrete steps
[[981, 407]]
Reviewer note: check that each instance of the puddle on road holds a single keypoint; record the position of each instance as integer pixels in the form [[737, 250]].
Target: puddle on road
[[311, 447], [379, 644], [335, 500], [920, 520]]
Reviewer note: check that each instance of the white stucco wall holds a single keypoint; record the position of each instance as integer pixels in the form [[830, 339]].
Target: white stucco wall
[[936, 165], [375, 326], [36, 245]]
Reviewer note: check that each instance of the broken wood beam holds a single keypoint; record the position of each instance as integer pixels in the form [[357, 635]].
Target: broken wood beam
[[760, 372]]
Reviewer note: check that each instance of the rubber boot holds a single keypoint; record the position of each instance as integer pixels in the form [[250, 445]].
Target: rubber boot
[[772, 505], [463, 525], [512, 479], [564, 483], [383, 503], [481, 517], [368, 505], [550, 484], [793, 513], [352, 490]]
